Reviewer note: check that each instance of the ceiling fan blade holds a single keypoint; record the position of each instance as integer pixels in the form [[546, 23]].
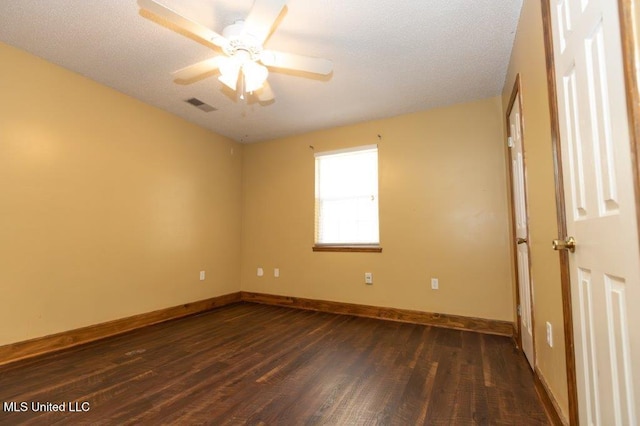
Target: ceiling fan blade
[[261, 18], [272, 58], [265, 94], [188, 25], [197, 69]]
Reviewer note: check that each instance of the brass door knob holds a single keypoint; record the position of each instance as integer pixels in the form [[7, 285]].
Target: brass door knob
[[521, 240], [568, 244]]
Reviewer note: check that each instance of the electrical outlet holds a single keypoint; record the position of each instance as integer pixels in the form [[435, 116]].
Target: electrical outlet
[[276, 272], [260, 272], [368, 278], [434, 284], [549, 334], [201, 275]]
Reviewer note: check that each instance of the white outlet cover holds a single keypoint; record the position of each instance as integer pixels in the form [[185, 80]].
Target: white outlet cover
[[434, 284], [202, 275], [368, 278], [276, 272], [260, 272]]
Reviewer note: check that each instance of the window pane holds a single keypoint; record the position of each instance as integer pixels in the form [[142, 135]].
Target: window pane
[[347, 197]]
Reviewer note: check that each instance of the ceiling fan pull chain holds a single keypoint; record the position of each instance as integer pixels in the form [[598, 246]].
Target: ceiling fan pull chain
[[241, 85]]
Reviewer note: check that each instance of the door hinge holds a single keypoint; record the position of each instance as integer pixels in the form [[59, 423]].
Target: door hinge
[[519, 311], [510, 142]]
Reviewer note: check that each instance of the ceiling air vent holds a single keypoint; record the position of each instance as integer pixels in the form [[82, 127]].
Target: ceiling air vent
[[201, 105]]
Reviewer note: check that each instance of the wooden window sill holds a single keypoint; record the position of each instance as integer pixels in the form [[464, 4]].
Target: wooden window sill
[[348, 248]]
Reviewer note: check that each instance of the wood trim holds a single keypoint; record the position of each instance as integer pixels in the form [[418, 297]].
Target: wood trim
[[514, 336], [516, 92], [350, 249], [516, 324], [503, 328], [548, 401], [565, 282], [517, 88], [67, 339], [629, 30]]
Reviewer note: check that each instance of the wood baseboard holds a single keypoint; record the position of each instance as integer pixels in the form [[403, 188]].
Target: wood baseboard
[[503, 328], [548, 400], [67, 339]]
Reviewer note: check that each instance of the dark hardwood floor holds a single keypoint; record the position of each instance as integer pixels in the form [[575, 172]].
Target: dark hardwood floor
[[266, 365]]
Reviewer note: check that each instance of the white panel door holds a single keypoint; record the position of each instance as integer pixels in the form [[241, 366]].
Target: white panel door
[[600, 209], [522, 229]]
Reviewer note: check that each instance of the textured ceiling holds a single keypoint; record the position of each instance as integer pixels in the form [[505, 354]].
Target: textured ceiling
[[390, 57]]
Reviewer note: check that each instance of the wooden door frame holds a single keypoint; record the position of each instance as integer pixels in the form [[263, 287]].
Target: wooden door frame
[[517, 90], [629, 53]]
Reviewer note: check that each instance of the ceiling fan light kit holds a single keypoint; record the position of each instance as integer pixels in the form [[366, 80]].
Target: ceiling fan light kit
[[244, 66], [240, 66]]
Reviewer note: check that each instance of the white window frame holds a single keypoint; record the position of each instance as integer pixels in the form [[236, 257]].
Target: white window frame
[[360, 229]]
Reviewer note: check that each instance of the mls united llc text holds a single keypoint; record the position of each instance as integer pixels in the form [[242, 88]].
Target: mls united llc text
[[36, 406]]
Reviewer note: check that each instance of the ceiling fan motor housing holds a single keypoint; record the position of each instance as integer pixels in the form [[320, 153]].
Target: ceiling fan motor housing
[[240, 41]]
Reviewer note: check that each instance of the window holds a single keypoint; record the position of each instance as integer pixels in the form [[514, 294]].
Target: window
[[347, 200]]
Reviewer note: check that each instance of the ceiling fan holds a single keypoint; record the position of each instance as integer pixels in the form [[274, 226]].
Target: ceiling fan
[[243, 67]]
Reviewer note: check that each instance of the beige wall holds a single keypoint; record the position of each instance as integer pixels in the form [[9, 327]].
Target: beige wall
[[528, 59], [108, 207], [443, 213]]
